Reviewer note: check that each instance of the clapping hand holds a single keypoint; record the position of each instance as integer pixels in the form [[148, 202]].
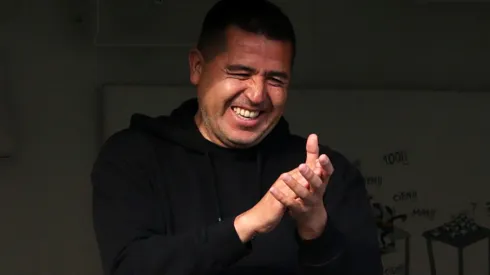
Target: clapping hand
[[302, 190]]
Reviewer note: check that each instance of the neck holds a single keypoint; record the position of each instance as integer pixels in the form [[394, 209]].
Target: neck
[[204, 130]]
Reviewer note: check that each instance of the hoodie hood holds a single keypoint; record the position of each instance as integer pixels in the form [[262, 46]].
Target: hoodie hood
[[180, 128]]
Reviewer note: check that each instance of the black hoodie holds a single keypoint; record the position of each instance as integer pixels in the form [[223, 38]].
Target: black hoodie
[[165, 199]]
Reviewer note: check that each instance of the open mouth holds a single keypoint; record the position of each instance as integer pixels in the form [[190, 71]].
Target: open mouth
[[246, 114]]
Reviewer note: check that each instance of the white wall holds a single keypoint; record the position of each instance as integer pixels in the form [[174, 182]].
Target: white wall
[[54, 71]]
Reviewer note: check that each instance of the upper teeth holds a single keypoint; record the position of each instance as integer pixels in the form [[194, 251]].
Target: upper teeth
[[245, 113]]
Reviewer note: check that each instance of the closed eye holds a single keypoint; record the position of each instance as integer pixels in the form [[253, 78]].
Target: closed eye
[[276, 82], [240, 75], [239, 71]]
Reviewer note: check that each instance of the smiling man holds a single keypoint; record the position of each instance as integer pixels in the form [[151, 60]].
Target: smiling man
[[221, 186], [242, 92]]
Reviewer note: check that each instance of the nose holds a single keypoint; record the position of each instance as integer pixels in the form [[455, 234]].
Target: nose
[[257, 91]]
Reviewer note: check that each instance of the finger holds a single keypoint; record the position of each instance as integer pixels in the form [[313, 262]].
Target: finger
[[287, 201], [296, 187], [312, 150], [321, 172], [315, 181], [283, 187], [319, 169], [326, 165], [299, 178]]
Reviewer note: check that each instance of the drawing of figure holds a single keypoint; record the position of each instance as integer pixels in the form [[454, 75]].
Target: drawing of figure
[[385, 220], [386, 217]]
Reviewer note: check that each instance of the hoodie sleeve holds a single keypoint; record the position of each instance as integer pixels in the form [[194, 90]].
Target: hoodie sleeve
[[349, 244], [130, 230]]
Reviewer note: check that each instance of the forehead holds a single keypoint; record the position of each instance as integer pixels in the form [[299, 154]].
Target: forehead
[[257, 50]]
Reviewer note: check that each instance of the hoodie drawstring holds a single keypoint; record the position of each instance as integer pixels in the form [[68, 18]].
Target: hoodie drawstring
[[214, 178], [215, 187], [260, 161]]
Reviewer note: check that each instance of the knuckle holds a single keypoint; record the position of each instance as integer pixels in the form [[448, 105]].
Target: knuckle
[[307, 171]]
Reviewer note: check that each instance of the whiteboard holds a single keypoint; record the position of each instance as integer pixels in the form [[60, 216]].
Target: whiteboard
[[424, 155]]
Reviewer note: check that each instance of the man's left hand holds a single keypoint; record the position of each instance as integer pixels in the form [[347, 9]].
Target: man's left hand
[[308, 182]]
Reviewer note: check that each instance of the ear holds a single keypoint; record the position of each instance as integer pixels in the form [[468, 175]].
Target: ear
[[196, 63]]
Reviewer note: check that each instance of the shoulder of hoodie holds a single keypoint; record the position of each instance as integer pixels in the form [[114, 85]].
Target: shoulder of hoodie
[[340, 163], [126, 162], [126, 145]]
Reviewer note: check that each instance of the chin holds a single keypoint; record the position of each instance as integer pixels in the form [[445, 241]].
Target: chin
[[244, 137], [243, 143], [246, 141]]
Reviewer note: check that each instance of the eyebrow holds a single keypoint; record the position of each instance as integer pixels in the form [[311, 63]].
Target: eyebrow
[[243, 68]]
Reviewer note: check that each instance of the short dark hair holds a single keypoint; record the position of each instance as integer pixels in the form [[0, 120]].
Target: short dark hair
[[255, 16]]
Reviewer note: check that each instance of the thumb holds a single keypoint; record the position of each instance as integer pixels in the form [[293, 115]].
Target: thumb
[[312, 151]]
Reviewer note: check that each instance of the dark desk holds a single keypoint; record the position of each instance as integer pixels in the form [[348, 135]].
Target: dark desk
[[459, 239]]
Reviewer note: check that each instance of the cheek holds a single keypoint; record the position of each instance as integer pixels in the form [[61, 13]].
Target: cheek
[[221, 94], [227, 91], [231, 87], [278, 98]]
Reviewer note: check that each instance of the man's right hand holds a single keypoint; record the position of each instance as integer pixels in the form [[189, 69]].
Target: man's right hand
[[262, 218], [268, 212]]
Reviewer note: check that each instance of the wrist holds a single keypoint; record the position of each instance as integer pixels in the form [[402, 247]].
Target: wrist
[[314, 227], [244, 227]]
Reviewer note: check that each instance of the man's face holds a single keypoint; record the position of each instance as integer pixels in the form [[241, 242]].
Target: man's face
[[242, 91]]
